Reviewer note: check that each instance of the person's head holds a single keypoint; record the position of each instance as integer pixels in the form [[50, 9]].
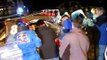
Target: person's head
[[64, 17], [40, 23], [99, 11], [76, 24], [22, 26]]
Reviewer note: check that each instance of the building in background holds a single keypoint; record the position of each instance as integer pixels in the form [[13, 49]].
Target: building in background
[[8, 8]]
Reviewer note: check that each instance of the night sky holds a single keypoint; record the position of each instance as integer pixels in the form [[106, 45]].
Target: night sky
[[41, 4]]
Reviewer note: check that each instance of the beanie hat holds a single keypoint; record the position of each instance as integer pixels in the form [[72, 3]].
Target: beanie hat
[[22, 26], [22, 22]]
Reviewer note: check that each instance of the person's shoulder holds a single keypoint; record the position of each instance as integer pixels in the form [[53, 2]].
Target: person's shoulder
[[70, 19], [29, 31], [70, 37], [48, 28], [70, 34], [104, 24]]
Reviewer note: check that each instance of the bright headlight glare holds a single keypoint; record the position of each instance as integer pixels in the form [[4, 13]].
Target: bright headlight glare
[[20, 11]]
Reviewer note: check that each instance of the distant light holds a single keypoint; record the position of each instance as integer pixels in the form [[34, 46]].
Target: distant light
[[1, 9], [20, 11]]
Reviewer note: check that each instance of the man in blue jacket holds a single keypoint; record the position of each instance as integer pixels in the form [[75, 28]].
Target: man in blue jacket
[[101, 24], [28, 42]]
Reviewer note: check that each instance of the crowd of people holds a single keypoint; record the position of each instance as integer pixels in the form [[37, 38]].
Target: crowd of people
[[72, 43]]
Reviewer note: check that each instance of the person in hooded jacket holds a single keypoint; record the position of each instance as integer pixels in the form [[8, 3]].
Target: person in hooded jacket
[[66, 25], [28, 42]]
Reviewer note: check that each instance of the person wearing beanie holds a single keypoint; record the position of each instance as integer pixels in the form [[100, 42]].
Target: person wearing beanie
[[28, 42]]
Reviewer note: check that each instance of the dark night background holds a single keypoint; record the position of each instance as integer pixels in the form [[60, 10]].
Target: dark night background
[[41, 4]]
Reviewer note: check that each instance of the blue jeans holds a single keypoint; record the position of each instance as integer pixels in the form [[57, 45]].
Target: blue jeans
[[101, 52]]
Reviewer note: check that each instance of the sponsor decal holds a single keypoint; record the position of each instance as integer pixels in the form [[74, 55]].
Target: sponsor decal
[[22, 38]]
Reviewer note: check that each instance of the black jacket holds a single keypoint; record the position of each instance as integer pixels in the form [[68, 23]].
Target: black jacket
[[49, 49], [101, 19]]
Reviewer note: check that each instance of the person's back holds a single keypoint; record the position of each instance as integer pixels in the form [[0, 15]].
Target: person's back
[[79, 45], [28, 42], [49, 49]]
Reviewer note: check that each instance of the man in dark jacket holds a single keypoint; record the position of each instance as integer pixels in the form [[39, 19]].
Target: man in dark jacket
[[49, 49]]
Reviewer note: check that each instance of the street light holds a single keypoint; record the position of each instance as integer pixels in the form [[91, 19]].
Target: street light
[[20, 11]]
